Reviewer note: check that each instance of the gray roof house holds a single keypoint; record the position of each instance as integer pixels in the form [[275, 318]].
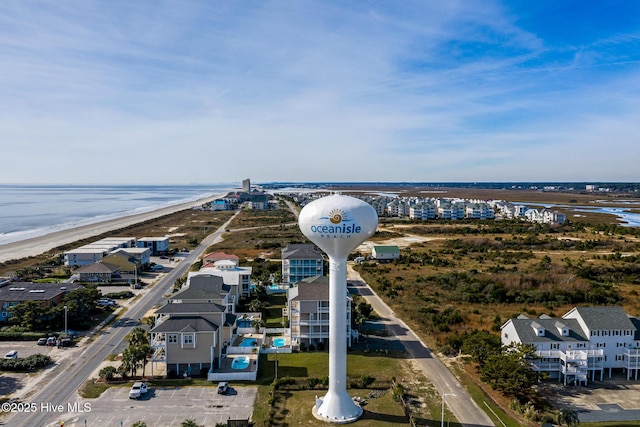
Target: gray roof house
[[585, 342], [300, 261], [194, 328], [308, 310]]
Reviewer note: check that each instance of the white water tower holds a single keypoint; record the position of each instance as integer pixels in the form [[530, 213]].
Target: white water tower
[[337, 224]]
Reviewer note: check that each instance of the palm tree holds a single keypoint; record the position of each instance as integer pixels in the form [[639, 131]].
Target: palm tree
[[568, 417], [189, 422]]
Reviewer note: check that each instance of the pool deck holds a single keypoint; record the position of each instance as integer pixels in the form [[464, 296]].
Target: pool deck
[[227, 361]]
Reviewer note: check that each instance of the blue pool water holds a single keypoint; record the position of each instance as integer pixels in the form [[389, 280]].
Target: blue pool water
[[240, 362], [279, 342], [243, 323], [249, 342]]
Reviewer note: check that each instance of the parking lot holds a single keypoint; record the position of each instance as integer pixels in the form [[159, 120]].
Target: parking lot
[[161, 406]]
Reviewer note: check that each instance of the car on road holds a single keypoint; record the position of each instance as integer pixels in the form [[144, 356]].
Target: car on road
[[223, 387], [137, 390], [13, 354], [42, 341]]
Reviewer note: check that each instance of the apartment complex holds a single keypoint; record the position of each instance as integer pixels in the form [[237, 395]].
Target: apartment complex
[[587, 342]]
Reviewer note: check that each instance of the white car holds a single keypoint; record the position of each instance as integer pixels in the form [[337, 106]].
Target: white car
[[13, 354], [106, 302], [137, 390]]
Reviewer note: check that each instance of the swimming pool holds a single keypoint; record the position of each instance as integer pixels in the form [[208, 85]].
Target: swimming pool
[[249, 342], [279, 342], [241, 362]]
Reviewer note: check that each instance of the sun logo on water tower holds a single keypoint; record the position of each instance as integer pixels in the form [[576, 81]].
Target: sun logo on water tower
[[336, 216]]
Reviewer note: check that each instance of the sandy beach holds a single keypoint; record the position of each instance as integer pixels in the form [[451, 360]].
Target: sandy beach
[[41, 244]]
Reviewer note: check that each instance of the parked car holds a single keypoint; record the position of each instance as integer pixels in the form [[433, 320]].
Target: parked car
[[106, 302], [13, 354], [42, 341], [66, 342], [51, 341], [137, 390], [223, 387]]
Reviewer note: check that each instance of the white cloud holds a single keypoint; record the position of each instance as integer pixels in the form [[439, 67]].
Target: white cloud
[[210, 91]]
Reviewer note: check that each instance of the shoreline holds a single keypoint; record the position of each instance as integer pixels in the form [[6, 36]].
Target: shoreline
[[35, 246]]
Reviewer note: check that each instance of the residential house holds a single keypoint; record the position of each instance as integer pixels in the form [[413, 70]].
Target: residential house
[[141, 256], [308, 310], [208, 260], [99, 272], [94, 252], [385, 253], [157, 245], [48, 294], [191, 337], [239, 278], [195, 327], [479, 211], [584, 343], [423, 211], [300, 261]]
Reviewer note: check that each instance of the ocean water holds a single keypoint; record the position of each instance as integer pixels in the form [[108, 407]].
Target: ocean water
[[34, 210]]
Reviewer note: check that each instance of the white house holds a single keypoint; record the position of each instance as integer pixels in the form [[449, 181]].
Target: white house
[[584, 343]]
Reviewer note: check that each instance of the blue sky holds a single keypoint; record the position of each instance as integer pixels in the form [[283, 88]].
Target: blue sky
[[218, 91]]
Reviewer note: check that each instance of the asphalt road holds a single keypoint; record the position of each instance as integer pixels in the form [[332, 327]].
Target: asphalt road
[[456, 397], [63, 381]]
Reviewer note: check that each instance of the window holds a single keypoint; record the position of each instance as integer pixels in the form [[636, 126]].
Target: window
[[187, 339], [555, 346], [601, 345], [172, 338]]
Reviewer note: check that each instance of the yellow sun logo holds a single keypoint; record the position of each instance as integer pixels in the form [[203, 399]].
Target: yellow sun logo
[[336, 215]]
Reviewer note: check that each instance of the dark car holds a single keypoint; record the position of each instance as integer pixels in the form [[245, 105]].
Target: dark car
[[66, 342], [223, 388]]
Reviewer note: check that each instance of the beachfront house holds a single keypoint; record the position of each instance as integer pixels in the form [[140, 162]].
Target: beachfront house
[[586, 343], [96, 251], [308, 311], [385, 253], [157, 245], [300, 261]]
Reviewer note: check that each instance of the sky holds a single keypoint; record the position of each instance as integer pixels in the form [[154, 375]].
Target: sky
[[183, 92]]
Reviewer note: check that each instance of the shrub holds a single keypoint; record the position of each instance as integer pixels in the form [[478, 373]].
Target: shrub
[[107, 373], [30, 363]]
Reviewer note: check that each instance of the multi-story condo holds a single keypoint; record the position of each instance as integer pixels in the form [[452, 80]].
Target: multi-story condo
[[300, 261], [585, 343], [425, 210], [308, 309], [479, 211]]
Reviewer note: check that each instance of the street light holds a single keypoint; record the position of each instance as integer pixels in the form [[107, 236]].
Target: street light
[[443, 396], [65, 320]]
